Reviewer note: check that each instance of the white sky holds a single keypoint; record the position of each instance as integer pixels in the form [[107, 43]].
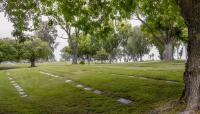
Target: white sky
[[6, 29]]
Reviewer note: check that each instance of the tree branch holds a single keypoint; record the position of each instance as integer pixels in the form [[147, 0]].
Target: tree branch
[[150, 29]]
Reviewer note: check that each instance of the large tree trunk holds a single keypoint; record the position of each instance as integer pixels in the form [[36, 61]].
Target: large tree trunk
[[191, 93], [168, 54], [88, 59], [110, 59], [190, 10], [140, 58], [75, 53]]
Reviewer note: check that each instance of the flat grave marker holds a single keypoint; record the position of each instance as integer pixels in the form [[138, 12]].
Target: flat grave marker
[[124, 101]]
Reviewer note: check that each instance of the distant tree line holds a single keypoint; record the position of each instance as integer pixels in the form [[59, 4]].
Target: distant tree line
[[32, 49], [128, 43]]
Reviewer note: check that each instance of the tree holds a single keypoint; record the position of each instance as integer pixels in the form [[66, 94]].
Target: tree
[[165, 24], [68, 15], [87, 48], [8, 51], [24, 16], [47, 32], [124, 33], [65, 56], [190, 11], [34, 49], [110, 45], [138, 44], [101, 55]]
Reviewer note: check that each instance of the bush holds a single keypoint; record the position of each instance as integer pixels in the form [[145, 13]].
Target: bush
[[82, 62]]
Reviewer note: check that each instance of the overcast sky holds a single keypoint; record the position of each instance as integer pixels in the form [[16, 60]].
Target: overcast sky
[[6, 30]]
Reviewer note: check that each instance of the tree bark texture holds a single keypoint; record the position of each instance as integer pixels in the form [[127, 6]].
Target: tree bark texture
[[75, 53], [168, 54], [190, 10]]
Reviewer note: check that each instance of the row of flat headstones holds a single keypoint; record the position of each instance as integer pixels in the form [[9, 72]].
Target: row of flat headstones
[[144, 78], [19, 89], [121, 100]]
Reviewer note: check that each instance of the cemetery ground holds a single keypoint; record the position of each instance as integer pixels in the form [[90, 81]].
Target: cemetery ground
[[61, 88]]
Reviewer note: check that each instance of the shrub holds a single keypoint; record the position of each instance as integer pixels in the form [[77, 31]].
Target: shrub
[[82, 62]]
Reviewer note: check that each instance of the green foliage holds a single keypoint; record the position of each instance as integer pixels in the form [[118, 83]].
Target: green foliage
[[35, 48], [8, 51], [163, 20], [87, 46], [21, 13], [101, 55], [82, 62], [47, 32], [138, 45]]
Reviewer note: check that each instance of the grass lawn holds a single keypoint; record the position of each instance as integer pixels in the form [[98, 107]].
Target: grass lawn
[[149, 85]]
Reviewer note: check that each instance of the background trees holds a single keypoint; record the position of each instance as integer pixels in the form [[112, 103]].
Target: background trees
[[137, 44], [165, 24], [8, 51], [34, 49]]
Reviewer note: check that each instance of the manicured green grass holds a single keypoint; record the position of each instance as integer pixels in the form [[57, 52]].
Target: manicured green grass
[[52, 95]]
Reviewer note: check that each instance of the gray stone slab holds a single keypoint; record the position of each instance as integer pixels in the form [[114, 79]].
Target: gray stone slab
[[20, 90], [88, 88], [9, 78], [24, 95], [17, 87], [124, 101], [12, 81], [98, 92], [68, 81], [79, 86]]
